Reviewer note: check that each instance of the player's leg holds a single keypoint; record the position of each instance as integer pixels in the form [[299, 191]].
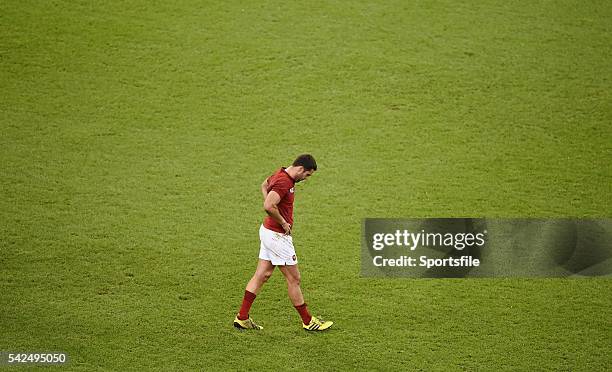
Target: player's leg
[[262, 274], [293, 278]]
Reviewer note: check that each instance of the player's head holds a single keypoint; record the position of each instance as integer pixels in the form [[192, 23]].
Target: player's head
[[305, 165]]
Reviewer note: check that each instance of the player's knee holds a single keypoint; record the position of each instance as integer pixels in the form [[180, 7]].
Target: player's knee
[[264, 276], [267, 275], [295, 280]]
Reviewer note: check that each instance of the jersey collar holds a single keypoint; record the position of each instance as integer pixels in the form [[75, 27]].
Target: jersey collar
[[288, 175]]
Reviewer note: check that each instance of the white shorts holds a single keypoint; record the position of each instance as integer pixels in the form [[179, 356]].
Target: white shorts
[[276, 247]]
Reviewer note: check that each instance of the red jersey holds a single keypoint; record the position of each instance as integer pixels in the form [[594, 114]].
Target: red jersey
[[283, 184]]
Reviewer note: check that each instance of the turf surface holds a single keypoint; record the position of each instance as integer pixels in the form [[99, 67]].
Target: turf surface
[[135, 136]]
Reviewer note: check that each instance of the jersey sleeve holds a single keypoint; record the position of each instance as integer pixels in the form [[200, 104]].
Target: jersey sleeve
[[281, 187]]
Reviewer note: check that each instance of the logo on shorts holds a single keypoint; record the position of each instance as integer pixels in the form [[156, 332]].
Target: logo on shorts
[[294, 257], [291, 190]]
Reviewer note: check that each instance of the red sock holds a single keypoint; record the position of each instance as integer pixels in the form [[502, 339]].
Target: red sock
[[303, 310], [247, 301]]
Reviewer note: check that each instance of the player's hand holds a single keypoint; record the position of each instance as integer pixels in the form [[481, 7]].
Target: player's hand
[[287, 228]]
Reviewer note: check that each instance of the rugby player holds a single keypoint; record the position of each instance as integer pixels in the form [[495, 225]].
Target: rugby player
[[276, 248]]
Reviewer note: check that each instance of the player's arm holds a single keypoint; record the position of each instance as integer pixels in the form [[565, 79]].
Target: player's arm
[[271, 207], [264, 188]]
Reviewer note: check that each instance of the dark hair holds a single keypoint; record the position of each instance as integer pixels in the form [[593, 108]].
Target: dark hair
[[306, 161]]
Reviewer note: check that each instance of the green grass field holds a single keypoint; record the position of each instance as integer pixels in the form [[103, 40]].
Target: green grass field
[[135, 136]]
